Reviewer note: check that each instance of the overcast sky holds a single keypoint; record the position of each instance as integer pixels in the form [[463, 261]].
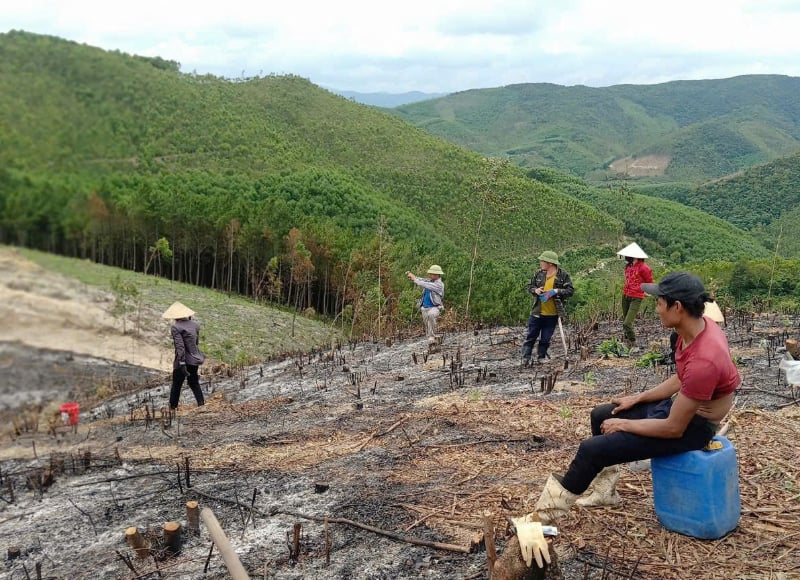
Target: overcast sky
[[437, 45]]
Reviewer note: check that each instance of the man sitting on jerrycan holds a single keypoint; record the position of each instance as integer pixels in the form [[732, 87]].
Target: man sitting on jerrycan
[[680, 414]]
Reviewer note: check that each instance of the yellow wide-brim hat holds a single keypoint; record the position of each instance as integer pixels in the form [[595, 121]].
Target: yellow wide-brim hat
[[436, 269], [177, 310]]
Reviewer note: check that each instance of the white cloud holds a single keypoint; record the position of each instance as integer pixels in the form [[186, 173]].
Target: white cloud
[[439, 45]]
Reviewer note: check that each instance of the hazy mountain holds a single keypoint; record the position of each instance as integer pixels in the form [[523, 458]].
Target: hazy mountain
[[387, 100]]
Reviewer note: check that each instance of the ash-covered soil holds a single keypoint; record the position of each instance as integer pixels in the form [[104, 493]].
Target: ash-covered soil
[[33, 376], [388, 436]]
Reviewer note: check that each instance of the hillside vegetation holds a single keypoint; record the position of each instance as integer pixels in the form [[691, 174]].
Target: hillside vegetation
[[272, 186], [281, 191], [763, 201], [678, 233], [708, 128]]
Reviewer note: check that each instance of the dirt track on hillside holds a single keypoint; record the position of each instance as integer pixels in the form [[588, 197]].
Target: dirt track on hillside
[[49, 311], [60, 343]]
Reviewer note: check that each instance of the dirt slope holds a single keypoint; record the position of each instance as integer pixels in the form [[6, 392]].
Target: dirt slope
[[46, 310]]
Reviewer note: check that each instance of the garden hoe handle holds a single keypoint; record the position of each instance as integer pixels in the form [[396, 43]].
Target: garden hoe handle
[[563, 341]]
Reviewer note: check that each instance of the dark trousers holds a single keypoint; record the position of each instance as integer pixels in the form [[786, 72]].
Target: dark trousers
[[601, 451], [541, 327], [177, 383]]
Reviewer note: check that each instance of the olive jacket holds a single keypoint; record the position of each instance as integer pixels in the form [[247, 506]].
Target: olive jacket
[[563, 287]]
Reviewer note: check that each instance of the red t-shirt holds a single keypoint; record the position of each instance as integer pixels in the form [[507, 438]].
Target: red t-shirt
[[705, 367], [635, 274]]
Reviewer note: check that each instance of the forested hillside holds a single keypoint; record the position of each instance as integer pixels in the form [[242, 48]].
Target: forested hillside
[[762, 194], [270, 186], [763, 200], [706, 129], [277, 189], [673, 231]]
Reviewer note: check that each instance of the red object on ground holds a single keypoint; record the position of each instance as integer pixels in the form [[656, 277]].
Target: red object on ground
[[70, 413]]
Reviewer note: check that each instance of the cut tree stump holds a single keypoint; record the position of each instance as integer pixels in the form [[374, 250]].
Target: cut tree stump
[[136, 541], [193, 517], [172, 537], [511, 566], [488, 540], [793, 348]]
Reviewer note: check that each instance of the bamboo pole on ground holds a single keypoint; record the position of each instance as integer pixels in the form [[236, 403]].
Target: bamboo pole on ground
[[229, 556]]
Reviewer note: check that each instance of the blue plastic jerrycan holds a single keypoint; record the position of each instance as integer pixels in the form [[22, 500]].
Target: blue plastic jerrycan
[[697, 493]]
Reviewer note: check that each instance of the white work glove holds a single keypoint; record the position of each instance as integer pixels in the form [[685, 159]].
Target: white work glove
[[531, 540]]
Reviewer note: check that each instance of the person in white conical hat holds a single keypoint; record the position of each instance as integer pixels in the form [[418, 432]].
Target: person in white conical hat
[[713, 312], [188, 357], [636, 273]]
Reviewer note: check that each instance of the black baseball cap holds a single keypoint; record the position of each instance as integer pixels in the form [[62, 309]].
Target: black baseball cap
[[681, 286]]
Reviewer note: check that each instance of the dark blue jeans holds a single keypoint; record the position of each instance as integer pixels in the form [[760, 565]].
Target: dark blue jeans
[[601, 451], [544, 325], [177, 384]]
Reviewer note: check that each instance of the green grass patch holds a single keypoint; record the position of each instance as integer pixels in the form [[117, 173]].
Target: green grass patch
[[235, 330]]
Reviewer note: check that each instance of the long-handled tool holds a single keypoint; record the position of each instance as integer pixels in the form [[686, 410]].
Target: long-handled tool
[[564, 342]]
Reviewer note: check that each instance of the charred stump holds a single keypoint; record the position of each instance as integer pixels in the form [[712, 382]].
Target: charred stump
[[172, 538], [511, 565]]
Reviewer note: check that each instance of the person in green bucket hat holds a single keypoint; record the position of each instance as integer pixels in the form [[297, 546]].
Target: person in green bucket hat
[[550, 287], [430, 304]]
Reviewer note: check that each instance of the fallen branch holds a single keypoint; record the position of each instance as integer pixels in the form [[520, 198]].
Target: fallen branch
[[379, 531], [88, 515], [376, 435], [471, 443], [768, 392], [122, 478]]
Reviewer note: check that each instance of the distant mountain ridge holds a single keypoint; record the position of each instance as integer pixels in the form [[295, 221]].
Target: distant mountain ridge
[[702, 129], [387, 100]]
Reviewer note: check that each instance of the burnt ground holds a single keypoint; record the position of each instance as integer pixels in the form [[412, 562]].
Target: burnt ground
[[39, 376], [379, 434]]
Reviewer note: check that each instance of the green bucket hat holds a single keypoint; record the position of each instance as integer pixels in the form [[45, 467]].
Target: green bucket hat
[[548, 256], [435, 269]]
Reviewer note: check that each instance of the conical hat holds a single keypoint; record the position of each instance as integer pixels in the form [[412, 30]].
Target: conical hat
[[632, 251], [713, 312], [177, 310]]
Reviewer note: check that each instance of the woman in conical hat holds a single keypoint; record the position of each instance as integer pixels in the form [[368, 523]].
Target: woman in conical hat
[[188, 357], [636, 273]]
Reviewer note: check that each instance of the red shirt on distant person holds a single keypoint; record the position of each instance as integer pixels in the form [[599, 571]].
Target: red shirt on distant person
[[635, 273]]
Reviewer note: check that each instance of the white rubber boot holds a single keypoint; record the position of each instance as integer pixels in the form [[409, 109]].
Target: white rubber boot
[[554, 502], [604, 489]]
